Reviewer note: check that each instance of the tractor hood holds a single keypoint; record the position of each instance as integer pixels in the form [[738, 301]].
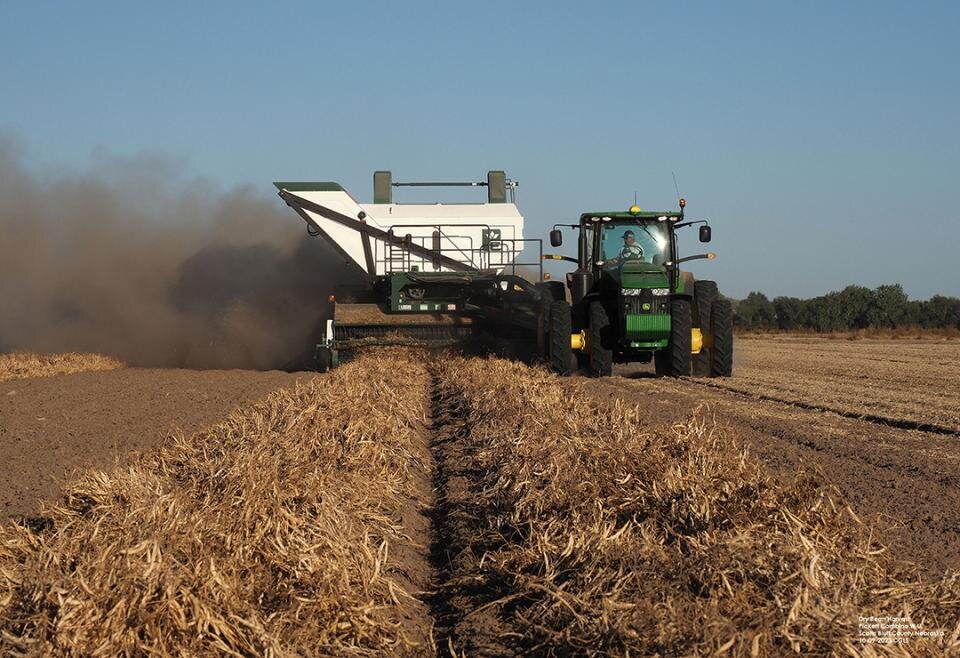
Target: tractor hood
[[635, 274]]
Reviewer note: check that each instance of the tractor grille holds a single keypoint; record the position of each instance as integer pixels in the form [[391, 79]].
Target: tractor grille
[[648, 326], [633, 304], [646, 316]]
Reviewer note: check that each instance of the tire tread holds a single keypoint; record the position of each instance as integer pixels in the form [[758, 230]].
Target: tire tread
[[704, 294], [681, 325], [560, 327], [601, 354], [721, 362]]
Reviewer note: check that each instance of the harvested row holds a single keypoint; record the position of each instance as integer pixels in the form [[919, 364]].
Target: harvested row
[[895, 380], [283, 530], [22, 365], [569, 530], [903, 482]]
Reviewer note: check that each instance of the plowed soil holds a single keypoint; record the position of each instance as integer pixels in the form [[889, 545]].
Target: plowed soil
[[52, 425], [907, 383]]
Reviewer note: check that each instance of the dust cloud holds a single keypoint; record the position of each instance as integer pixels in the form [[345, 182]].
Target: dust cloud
[[129, 259]]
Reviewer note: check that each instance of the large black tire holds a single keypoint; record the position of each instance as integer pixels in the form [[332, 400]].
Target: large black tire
[[721, 325], [556, 290], [674, 361], [543, 331], [324, 358], [599, 341], [560, 353], [705, 293]]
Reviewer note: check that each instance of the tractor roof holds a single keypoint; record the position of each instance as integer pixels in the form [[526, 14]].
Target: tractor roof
[[622, 214]]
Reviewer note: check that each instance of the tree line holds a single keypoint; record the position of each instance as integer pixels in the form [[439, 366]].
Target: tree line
[[854, 307]]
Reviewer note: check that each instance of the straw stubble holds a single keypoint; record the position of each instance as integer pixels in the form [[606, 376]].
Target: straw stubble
[[24, 365], [273, 533], [588, 534]]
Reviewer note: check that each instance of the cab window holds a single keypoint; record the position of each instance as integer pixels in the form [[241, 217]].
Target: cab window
[[647, 242]]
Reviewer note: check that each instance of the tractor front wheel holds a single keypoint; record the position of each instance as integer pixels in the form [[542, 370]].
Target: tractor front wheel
[[721, 326], [598, 341], [558, 344], [674, 361]]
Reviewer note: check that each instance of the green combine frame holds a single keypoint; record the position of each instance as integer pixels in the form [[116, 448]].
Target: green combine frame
[[433, 274]]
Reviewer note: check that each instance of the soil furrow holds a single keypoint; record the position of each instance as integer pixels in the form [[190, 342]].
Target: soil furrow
[[464, 625], [899, 423], [884, 380]]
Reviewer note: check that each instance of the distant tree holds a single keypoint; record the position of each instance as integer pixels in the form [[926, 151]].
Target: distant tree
[[827, 313], [755, 312], [939, 312], [914, 311], [890, 307], [790, 313], [856, 302], [854, 307]]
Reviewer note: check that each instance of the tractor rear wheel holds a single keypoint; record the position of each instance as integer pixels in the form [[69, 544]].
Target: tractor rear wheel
[[705, 293], [558, 344], [674, 361], [721, 327], [598, 341]]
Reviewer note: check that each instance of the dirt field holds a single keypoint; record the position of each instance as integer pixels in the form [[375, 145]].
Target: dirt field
[[908, 383], [50, 426], [411, 506]]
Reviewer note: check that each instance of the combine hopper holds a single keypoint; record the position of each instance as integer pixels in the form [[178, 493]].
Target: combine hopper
[[436, 274]]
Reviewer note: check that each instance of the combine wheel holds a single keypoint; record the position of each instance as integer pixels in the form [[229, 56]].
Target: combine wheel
[[721, 326], [558, 344], [705, 293], [324, 358], [674, 361], [555, 289], [543, 331], [598, 341]]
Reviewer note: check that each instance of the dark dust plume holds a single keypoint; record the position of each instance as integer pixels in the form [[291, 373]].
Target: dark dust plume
[[129, 259]]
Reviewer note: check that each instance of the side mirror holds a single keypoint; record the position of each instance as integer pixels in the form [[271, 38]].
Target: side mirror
[[705, 233], [556, 238]]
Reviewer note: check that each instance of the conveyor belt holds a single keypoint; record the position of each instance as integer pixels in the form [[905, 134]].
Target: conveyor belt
[[357, 325]]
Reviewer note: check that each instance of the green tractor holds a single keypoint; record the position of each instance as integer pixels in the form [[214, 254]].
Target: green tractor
[[630, 302]]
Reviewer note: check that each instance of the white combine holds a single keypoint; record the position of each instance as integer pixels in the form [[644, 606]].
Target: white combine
[[436, 274]]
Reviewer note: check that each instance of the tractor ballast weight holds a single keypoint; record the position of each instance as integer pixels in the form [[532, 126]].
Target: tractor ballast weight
[[435, 274], [631, 302]]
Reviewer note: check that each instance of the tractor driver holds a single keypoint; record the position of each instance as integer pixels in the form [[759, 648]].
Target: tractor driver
[[630, 250]]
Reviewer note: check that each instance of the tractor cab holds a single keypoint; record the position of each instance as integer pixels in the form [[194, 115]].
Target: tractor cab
[[643, 238], [631, 302], [631, 250]]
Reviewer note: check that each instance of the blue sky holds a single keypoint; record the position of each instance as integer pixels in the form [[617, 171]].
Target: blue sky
[[821, 139]]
